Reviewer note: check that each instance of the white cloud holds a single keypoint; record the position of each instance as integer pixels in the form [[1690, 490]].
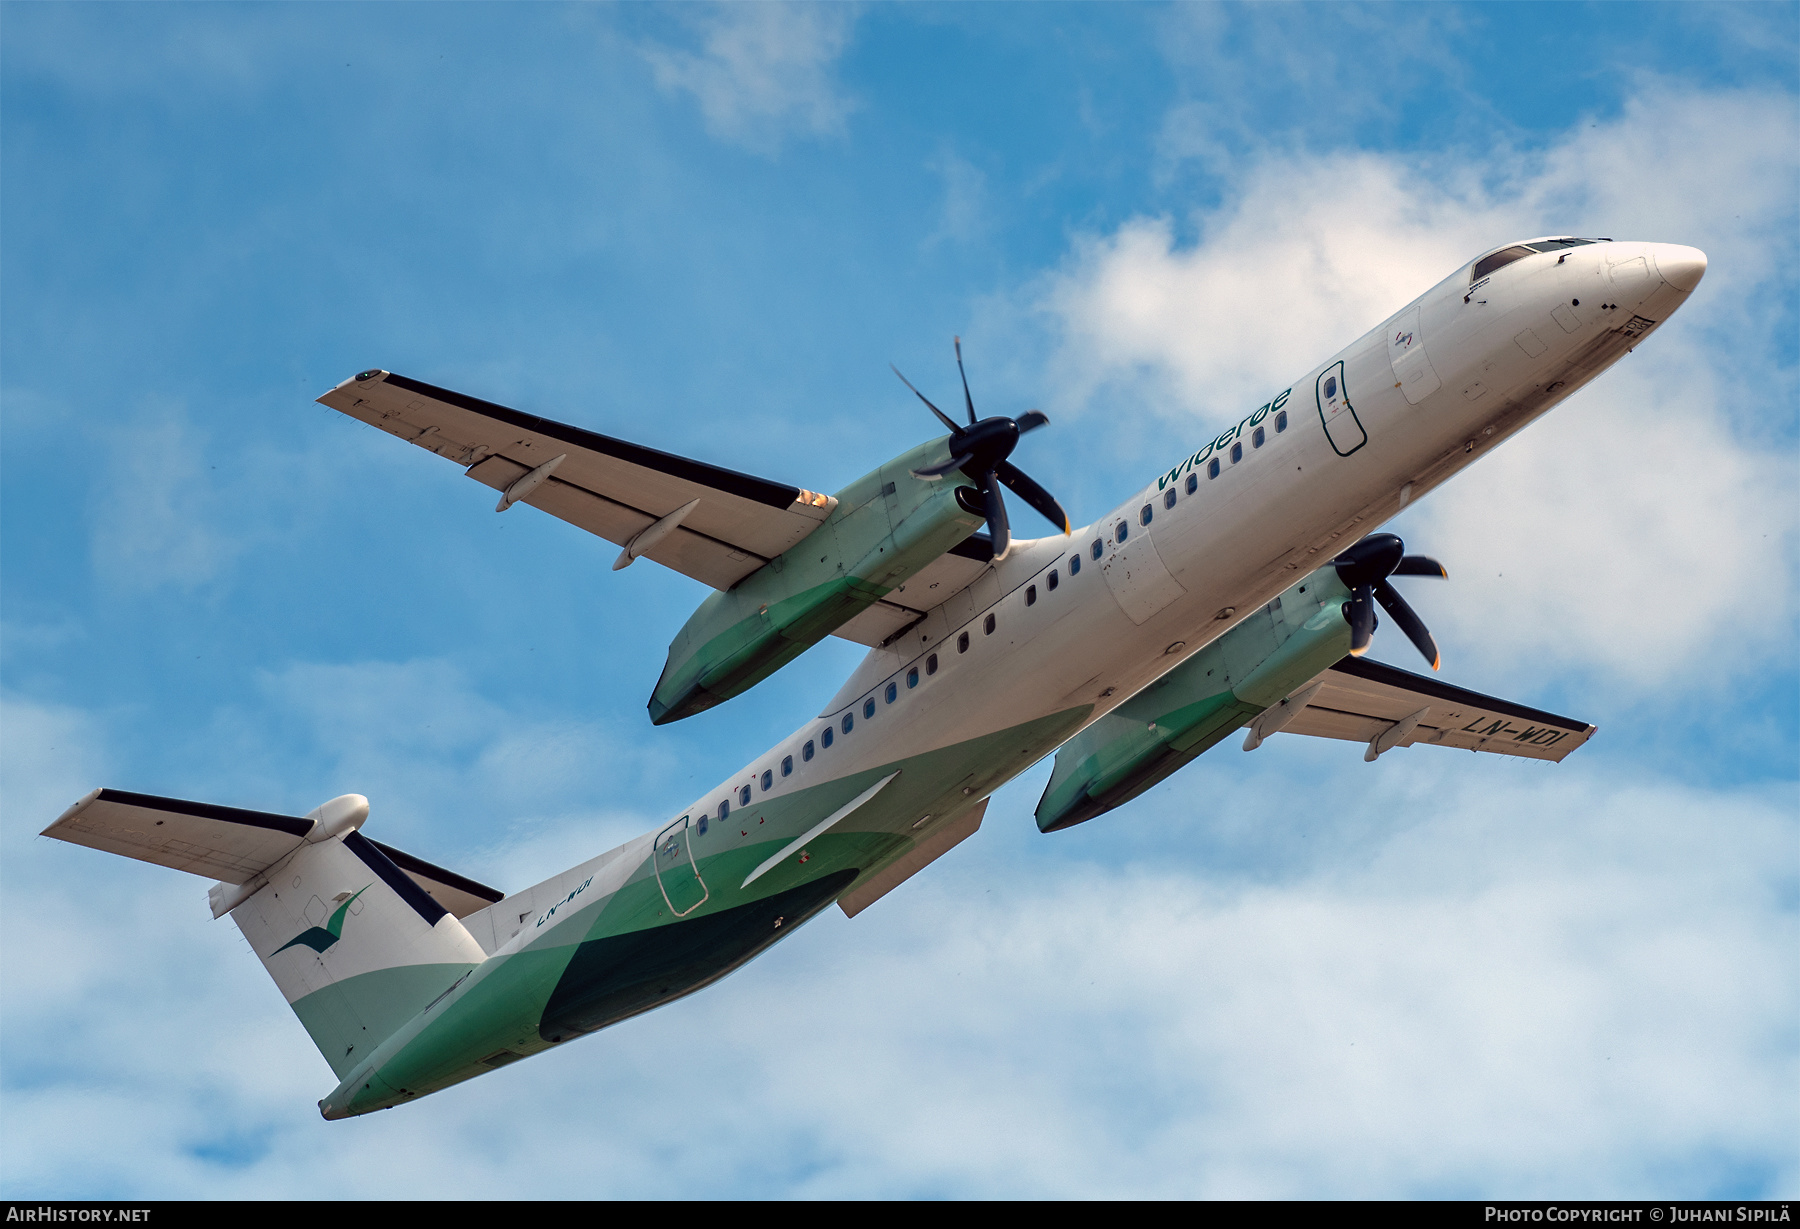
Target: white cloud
[[1564, 981], [1660, 473], [763, 70], [151, 511], [965, 199]]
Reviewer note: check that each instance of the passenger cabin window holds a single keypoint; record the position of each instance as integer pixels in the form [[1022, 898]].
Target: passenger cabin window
[[1237, 453], [1144, 514], [787, 765], [1487, 264], [744, 796], [931, 664], [892, 693], [1124, 530], [987, 626], [1257, 437], [724, 807], [1051, 580], [962, 643], [825, 737], [869, 707], [1212, 468], [849, 722], [1281, 422], [912, 678], [806, 752], [1074, 565], [1193, 483], [1031, 595], [1097, 549], [768, 778], [1169, 498]]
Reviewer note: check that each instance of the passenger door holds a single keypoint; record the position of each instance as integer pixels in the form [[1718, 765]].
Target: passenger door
[[676, 873], [1342, 427]]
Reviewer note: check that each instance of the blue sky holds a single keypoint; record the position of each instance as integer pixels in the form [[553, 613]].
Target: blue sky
[[710, 230]]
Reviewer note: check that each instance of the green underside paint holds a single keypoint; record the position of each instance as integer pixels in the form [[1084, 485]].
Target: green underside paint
[[1189, 710], [888, 524], [1138, 758], [348, 1019], [749, 652], [499, 1013]]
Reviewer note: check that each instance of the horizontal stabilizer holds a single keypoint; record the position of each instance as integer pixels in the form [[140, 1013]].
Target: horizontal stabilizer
[[218, 842], [234, 845], [1363, 701], [459, 895]]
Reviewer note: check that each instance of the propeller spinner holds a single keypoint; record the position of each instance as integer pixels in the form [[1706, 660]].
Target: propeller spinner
[[980, 451], [1365, 569]]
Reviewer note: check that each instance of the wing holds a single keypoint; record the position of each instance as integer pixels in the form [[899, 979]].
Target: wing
[[226, 843], [609, 487], [1361, 700]]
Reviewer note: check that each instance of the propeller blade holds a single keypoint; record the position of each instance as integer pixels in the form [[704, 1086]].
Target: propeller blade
[[970, 401], [1410, 623], [931, 473], [1031, 420], [1033, 494], [1360, 611], [998, 529], [1421, 565], [954, 429]]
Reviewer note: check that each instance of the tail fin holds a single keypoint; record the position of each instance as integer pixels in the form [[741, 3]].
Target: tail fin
[[355, 943]]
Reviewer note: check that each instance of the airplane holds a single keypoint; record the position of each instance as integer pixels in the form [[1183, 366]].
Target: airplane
[[1238, 589]]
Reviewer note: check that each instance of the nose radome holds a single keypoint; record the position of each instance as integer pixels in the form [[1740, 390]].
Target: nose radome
[[1681, 267]]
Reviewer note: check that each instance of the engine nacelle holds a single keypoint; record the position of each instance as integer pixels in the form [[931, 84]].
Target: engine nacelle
[[1198, 703], [887, 525]]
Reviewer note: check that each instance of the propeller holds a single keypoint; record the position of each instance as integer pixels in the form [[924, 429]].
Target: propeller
[[980, 451], [1365, 569]]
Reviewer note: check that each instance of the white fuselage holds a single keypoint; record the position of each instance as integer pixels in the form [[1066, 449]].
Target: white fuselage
[[1429, 391]]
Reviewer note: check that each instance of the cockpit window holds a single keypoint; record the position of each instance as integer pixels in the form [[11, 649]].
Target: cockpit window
[[1505, 256], [1519, 251]]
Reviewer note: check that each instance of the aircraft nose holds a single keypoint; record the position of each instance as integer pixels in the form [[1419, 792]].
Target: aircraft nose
[[1681, 267]]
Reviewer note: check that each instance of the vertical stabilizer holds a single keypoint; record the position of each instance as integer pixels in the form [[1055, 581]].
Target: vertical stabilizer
[[356, 946]]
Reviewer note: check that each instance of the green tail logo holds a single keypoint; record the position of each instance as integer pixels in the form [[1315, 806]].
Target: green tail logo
[[321, 937]]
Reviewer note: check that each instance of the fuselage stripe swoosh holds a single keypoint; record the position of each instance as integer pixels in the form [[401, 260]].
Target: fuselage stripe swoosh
[[837, 816]]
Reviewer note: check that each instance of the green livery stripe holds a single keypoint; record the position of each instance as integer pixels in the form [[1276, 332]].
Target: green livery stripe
[[627, 953]]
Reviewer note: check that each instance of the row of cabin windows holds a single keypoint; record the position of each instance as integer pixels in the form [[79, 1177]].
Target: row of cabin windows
[[891, 692], [1147, 513], [1258, 437]]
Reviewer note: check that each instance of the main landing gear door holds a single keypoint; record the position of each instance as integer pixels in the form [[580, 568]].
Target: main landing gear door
[[1342, 427], [673, 858]]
